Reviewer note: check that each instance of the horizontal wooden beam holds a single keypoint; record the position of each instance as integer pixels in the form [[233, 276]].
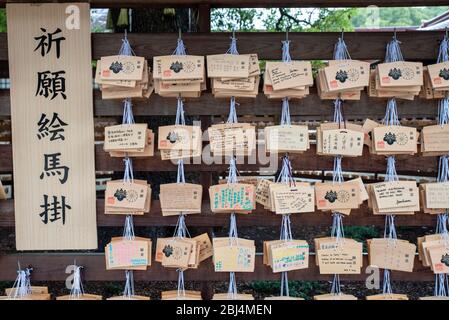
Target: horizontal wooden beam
[[259, 217], [416, 165], [309, 108], [51, 267], [247, 3], [415, 45]]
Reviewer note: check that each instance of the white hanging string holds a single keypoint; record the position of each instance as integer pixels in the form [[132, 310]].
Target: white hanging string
[[233, 235], [125, 49], [441, 280], [337, 230], [180, 120], [341, 50], [284, 284], [443, 111], [129, 284], [128, 230], [232, 290], [285, 176], [233, 46], [393, 51], [285, 115], [77, 289], [391, 114], [443, 53], [232, 118], [180, 47], [338, 112], [232, 178], [390, 228], [233, 172], [286, 50], [128, 117], [337, 174], [22, 284]]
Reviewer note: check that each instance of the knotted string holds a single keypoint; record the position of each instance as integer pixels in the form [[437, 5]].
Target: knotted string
[[181, 228], [286, 51], [391, 114], [390, 228], [443, 111], [125, 49], [22, 284], [233, 235], [443, 53], [129, 284], [337, 174], [393, 51], [441, 280], [232, 118], [128, 117], [233, 46], [180, 120], [180, 47], [337, 230], [285, 176], [233, 172], [341, 50], [128, 176], [232, 290], [77, 289], [285, 115]]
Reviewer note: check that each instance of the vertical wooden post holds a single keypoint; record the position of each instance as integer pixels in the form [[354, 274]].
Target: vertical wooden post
[[204, 18]]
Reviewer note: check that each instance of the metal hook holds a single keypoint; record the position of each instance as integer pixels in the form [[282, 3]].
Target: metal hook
[[394, 34], [126, 34], [179, 34], [342, 34]]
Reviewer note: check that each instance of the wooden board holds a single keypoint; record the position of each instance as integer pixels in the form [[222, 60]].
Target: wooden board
[[254, 3], [309, 108], [412, 165], [52, 268], [259, 217], [304, 45], [52, 127]]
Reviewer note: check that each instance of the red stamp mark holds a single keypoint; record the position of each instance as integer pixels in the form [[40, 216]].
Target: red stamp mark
[[167, 73], [438, 267], [380, 144], [322, 203], [386, 79], [111, 200], [437, 80], [164, 143], [334, 84], [106, 73]]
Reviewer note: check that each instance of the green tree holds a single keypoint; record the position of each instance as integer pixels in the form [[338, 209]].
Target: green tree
[[234, 19], [323, 19], [392, 17]]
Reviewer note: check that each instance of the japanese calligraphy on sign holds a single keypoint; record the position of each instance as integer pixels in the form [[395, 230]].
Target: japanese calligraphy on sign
[[52, 126]]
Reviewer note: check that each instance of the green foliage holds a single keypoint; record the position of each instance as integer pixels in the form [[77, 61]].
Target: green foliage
[[112, 289], [312, 20], [2, 20], [390, 17], [302, 289], [234, 19], [360, 233]]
